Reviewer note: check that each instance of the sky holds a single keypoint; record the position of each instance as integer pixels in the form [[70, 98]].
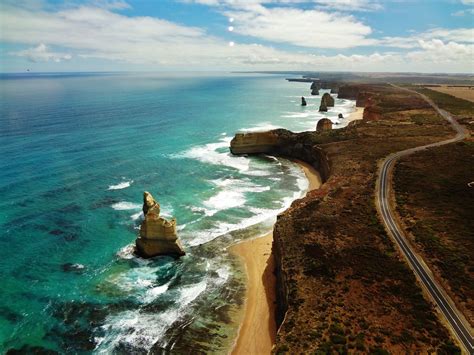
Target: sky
[[225, 35]]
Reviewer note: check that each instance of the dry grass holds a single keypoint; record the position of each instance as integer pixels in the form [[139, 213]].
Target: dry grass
[[462, 92]]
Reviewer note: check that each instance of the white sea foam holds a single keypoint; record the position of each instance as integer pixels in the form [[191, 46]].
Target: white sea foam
[[126, 252], [231, 195], [262, 127], [224, 200], [140, 329], [152, 293], [217, 154], [124, 205], [121, 185]]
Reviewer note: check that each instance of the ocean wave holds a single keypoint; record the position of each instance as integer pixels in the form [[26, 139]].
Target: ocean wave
[[121, 185], [216, 154], [224, 200], [141, 330], [262, 127], [232, 194], [124, 206]]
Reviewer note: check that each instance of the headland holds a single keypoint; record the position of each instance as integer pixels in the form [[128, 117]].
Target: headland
[[341, 284]]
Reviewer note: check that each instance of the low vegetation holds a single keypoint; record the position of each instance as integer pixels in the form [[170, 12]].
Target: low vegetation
[[349, 289], [454, 105], [436, 205]]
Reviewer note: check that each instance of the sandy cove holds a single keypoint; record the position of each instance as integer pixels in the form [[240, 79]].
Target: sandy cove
[[258, 329], [356, 115]]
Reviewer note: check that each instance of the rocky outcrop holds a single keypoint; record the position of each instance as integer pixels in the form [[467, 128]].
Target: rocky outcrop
[[328, 99], [254, 142], [324, 124], [283, 143], [323, 107], [348, 92], [303, 101], [362, 98], [157, 235], [316, 85], [340, 116]]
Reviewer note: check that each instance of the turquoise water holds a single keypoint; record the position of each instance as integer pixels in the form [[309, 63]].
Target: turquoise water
[[78, 150]]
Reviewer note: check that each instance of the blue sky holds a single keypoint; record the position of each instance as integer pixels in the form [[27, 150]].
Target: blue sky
[[343, 35]]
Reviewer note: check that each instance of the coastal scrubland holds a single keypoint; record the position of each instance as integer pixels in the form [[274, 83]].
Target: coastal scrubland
[[436, 204], [457, 106], [343, 284]]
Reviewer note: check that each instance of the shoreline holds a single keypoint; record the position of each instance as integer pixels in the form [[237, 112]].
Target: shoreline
[[257, 332], [358, 114]]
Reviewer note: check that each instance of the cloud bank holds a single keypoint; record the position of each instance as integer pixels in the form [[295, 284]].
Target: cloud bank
[[100, 31]]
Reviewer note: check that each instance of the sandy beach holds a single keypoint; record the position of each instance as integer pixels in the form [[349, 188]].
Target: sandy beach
[[258, 329], [356, 115]]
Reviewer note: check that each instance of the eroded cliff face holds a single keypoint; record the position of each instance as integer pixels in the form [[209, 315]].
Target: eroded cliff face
[[283, 143]]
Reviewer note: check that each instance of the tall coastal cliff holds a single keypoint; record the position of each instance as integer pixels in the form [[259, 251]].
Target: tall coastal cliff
[[283, 143]]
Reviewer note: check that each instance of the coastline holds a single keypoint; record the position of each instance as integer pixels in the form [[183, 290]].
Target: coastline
[[257, 332], [358, 114]]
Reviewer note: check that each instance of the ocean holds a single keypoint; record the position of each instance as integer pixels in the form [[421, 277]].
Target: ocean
[[78, 150]]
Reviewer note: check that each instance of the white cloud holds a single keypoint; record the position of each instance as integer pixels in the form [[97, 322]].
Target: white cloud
[[462, 35], [41, 53], [463, 12], [152, 43], [339, 5], [306, 28]]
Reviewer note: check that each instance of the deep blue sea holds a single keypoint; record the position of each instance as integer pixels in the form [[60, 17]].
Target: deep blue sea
[[76, 153]]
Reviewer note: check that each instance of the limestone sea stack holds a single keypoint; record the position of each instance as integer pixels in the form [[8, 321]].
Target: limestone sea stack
[[323, 107], [340, 116], [303, 101], [324, 124], [157, 235], [315, 92], [326, 101]]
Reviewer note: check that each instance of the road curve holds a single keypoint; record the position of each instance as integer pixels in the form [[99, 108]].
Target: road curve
[[456, 320]]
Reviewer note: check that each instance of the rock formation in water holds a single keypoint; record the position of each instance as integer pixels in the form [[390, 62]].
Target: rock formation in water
[[324, 124], [323, 107], [340, 116], [157, 235], [303, 101], [328, 99], [316, 85]]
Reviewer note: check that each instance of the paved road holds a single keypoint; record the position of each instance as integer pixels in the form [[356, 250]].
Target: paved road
[[455, 318]]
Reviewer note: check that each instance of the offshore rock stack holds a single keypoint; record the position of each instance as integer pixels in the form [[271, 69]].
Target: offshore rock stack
[[303, 101], [157, 235], [326, 101]]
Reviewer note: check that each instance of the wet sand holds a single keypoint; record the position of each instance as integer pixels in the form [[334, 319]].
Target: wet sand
[[258, 329]]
